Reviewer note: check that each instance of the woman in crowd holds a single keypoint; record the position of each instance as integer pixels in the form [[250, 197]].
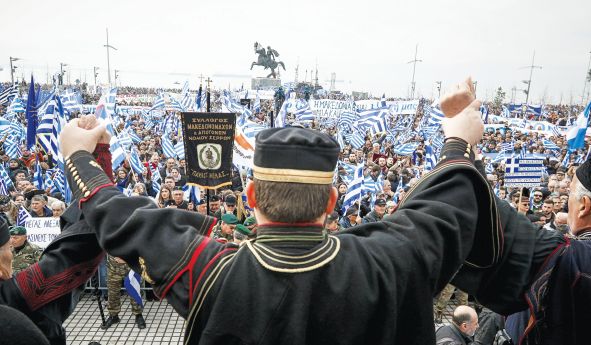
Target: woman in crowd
[[164, 197]]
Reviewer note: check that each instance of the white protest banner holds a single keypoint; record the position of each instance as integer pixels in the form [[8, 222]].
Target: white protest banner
[[330, 107], [404, 107], [41, 231]]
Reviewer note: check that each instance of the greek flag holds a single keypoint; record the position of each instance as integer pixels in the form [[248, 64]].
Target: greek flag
[[179, 149], [576, 134], [168, 148], [156, 178], [406, 149], [430, 158], [71, 101], [435, 115], [7, 95], [136, 163], [250, 129], [339, 139], [12, 147], [257, 103], [506, 147], [132, 283], [371, 185], [303, 112], [187, 102], [566, 159], [489, 169], [3, 188], [357, 139], [5, 126], [201, 99], [16, 106], [158, 102], [550, 145], [22, 216], [346, 120], [4, 177], [175, 105], [194, 194], [354, 189], [38, 176]]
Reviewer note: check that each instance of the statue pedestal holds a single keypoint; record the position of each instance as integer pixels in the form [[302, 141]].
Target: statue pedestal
[[265, 83]]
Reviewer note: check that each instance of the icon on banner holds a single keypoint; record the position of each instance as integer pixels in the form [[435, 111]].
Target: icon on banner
[[209, 156]]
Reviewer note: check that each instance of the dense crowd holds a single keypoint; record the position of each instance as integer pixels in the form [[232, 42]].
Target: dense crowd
[[387, 176]]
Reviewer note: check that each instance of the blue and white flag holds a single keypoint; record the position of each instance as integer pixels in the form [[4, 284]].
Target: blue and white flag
[[135, 162], [179, 149], [430, 158], [354, 189], [406, 149], [158, 102], [576, 134], [38, 180], [5, 177], [257, 103], [550, 145], [507, 147], [346, 120], [132, 283], [168, 148], [22, 216], [435, 115], [7, 95]]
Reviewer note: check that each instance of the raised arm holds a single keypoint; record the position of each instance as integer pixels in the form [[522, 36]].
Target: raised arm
[[168, 247]]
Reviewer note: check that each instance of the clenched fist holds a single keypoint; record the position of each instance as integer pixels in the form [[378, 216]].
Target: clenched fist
[[458, 98], [466, 125]]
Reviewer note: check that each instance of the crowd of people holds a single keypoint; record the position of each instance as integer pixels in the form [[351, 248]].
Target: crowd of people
[[390, 174]]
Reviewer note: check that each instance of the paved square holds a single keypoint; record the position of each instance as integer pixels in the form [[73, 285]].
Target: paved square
[[163, 325]]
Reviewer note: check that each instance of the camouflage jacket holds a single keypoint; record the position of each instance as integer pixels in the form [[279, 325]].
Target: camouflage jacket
[[217, 234], [25, 257]]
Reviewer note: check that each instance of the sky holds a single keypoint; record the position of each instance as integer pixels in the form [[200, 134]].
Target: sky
[[367, 44]]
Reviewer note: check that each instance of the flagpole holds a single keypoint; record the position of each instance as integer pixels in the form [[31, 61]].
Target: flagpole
[[208, 109]]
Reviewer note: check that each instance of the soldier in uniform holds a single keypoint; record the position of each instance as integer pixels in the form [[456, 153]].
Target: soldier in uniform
[[223, 232], [24, 252], [117, 270]]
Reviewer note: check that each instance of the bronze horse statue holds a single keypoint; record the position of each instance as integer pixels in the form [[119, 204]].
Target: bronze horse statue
[[267, 59]]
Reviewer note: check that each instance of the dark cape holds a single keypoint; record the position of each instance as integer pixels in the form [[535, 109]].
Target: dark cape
[[371, 284]]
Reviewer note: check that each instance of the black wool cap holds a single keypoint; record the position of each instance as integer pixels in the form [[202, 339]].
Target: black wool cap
[[295, 155], [584, 174], [4, 233]]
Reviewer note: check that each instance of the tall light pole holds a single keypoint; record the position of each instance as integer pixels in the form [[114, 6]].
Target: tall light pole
[[438, 83], [528, 82], [108, 62], [414, 66], [116, 76], [95, 76], [587, 76], [13, 59], [62, 65]]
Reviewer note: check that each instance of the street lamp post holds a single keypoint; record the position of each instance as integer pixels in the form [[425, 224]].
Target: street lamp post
[[587, 74], [438, 83], [108, 60], [116, 76], [95, 76], [12, 68], [61, 80], [414, 62]]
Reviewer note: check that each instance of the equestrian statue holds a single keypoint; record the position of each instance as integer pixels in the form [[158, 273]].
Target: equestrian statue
[[267, 59]]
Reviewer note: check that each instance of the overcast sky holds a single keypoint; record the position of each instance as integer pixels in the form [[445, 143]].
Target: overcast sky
[[366, 43]]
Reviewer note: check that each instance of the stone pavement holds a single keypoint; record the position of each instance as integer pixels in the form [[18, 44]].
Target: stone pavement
[[163, 325]]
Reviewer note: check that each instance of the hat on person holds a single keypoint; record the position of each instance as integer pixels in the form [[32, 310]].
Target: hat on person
[[351, 210], [4, 200], [214, 198], [229, 218], [17, 230], [230, 200], [4, 234], [584, 174], [250, 221], [243, 230], [295, 155], [380, 202], [332, 217]]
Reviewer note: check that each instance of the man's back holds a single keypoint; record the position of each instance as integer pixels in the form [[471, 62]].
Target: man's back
[[346, 289], [450, 335]]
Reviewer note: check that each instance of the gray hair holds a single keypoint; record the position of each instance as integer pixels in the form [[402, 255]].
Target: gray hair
[[580, 191], [59, 204]]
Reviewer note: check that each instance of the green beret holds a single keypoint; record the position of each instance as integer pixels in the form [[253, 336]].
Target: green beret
[[243, 230], [18, 230], [250, 221], [229, 218]]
